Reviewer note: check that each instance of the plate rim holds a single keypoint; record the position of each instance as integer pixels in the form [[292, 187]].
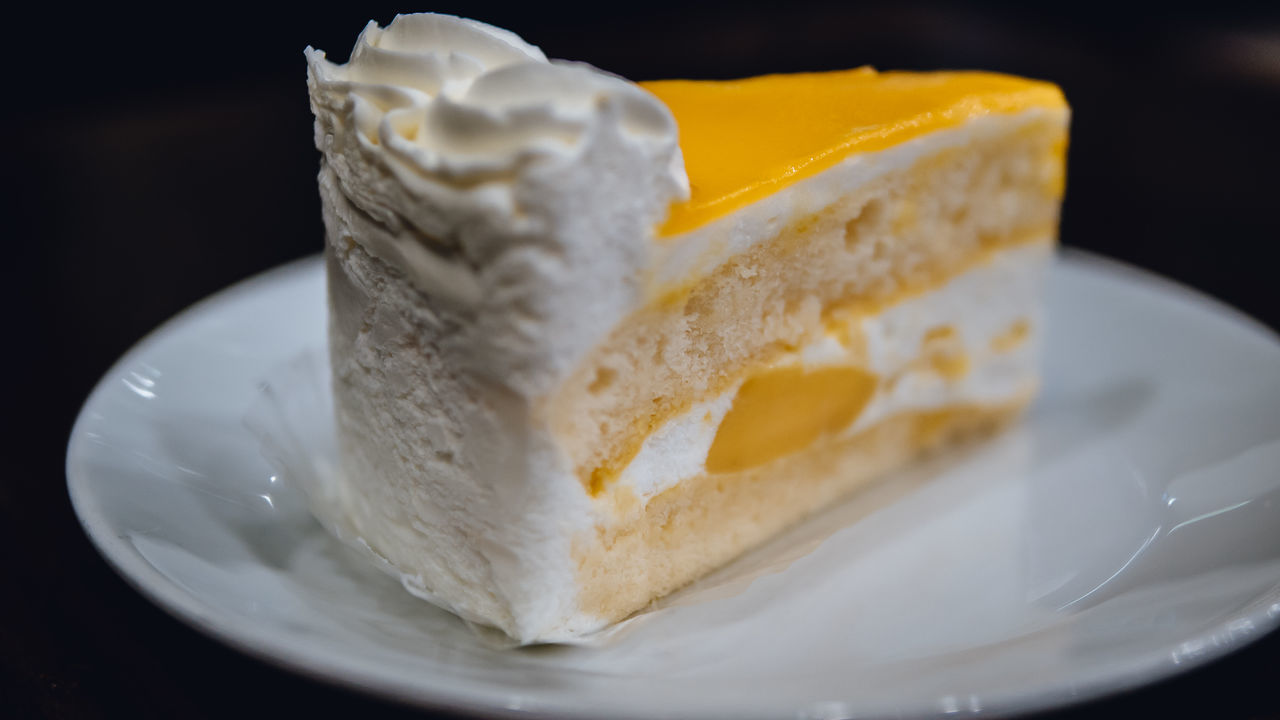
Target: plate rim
[[1262, 614]]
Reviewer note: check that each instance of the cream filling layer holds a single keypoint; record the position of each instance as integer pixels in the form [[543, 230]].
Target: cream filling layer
[[987, 317]]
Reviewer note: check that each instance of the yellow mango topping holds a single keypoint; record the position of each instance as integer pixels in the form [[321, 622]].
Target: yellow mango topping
[[745, 139], [784, 410]]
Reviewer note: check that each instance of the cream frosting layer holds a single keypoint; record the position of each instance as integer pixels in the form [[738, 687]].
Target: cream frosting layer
[[979, 307]]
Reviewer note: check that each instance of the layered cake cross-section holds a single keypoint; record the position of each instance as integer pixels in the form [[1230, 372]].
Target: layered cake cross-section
[[591, 339]]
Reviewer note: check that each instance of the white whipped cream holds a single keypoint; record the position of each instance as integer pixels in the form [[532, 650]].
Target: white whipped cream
[[490, 177]]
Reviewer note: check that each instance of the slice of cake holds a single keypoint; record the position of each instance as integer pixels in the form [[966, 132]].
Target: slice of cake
[[592, 339]]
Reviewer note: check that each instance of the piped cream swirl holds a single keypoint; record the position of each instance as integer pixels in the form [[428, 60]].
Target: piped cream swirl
[[495, 179]]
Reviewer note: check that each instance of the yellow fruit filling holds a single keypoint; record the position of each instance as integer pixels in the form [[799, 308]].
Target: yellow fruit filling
[[784, 410]]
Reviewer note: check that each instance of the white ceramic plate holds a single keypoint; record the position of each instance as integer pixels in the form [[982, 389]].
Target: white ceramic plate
[[1129, 529]]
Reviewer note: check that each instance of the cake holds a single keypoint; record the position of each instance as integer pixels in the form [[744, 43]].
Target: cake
[[591, 339]]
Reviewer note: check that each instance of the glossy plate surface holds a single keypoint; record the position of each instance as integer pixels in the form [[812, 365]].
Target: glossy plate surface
[[1130, 528]]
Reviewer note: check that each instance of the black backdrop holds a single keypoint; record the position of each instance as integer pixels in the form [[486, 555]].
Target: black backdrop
[[155, 157]]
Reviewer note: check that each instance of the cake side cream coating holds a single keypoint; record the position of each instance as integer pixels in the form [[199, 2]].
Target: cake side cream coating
[[490, 222], [478, 200], [437, 462]]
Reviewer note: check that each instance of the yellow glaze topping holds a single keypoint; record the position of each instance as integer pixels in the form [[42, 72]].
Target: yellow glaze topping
[[745, 139], [784, 410]]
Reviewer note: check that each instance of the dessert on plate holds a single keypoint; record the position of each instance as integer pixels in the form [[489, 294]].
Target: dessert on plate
[[591, 339]]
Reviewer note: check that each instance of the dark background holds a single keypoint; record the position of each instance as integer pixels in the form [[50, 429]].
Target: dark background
[[154, 158]]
